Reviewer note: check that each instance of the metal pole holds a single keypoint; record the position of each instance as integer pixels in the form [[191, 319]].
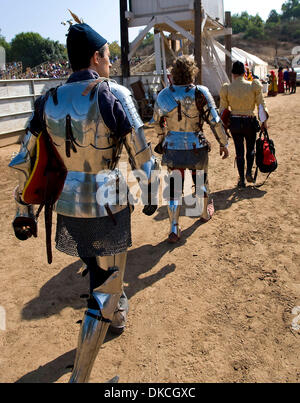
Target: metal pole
[[124, 42], [228, 61], [157, 48], [164, 59], [198, 38]]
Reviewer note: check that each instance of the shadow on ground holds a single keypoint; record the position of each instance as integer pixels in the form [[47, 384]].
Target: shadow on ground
[[140, 261]]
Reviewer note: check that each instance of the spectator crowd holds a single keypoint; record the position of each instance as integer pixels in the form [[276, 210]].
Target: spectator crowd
[[60, 69], [14, 71]]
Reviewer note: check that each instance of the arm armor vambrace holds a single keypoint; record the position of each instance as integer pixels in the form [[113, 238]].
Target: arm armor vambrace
[[214, 119], [22, 162], [22, 209], [219, 133], [139, 151]]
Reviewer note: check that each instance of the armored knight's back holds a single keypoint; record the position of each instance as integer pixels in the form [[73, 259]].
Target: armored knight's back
[[181, 111], [77, 129], [94, 186], [177, 105], [88, 148]]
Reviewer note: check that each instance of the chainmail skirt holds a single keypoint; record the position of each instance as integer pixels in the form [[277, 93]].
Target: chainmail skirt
[[94, 236]]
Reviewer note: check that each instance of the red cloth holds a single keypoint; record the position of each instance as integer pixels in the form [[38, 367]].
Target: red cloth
[[280, 82], [226, 117]]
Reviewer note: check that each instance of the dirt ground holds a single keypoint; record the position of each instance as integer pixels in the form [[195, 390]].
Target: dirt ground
[[221, 306]]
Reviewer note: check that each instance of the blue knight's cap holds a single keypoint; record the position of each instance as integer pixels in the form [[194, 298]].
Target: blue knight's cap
[[82, 43]]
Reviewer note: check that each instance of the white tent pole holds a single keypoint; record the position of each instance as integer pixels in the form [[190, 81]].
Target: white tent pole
[[164, 60], [220, 67], [167, 44], [157, 47], [218, 45], [203, 21], [216, 81]]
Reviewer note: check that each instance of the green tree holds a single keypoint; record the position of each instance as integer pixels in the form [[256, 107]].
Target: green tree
[[240, 22], [274, 17], [290, 21], [273, 34], [255, 28], [277, 28], [115, 49], [148, 40], [53, 51], [27, 47], [32, 49], [291, 10]]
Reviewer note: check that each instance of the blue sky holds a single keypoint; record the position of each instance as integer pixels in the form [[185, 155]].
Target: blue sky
[[103, 15]]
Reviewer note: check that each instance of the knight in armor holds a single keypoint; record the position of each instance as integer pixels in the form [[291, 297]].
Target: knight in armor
[[89, 120], [180, 112]]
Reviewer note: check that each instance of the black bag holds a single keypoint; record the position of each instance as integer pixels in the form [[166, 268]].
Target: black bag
[[265, 157]]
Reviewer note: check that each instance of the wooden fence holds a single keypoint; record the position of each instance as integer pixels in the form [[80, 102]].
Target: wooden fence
[[17, 100]]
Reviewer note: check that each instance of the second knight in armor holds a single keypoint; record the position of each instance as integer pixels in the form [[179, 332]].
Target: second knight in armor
[[180, 113]]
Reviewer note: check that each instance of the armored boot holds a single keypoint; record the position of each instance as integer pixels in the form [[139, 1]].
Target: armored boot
[[92, 335], [118, 322], [174, 213], [208, 210], [102, 306]]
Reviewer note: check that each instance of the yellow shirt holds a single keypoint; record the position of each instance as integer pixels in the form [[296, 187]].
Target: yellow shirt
[[242, 96]]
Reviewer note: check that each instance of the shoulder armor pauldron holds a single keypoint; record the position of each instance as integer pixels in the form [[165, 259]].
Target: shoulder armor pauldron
[[210, 103], [125, 97]]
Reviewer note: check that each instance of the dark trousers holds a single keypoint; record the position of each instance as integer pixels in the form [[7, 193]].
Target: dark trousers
[[244, 129], [97, 275], [293, 87]]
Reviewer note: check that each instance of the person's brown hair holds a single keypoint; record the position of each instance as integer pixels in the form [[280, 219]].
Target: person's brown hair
[[184, 70]]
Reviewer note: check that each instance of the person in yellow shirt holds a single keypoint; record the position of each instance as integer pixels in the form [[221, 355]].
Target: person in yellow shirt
[[240, 98]]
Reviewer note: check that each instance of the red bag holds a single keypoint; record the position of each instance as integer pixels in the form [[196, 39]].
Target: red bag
[[48, 175], [225, 117], [46, 182], [265, 157]]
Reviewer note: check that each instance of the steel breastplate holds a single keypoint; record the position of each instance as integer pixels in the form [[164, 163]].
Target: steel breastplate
[[89, 189]]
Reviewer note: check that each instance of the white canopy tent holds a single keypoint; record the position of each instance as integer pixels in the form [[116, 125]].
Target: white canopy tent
[[256, 65]]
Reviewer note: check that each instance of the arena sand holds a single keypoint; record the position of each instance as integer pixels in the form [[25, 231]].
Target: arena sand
[[221, 306]]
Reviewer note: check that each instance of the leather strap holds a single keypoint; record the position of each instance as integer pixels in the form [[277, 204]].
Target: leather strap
[[91, 86]]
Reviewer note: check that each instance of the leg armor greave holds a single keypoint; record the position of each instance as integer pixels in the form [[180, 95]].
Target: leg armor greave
[[174, 213], [101, 308], [205, 215], [200, 179]]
